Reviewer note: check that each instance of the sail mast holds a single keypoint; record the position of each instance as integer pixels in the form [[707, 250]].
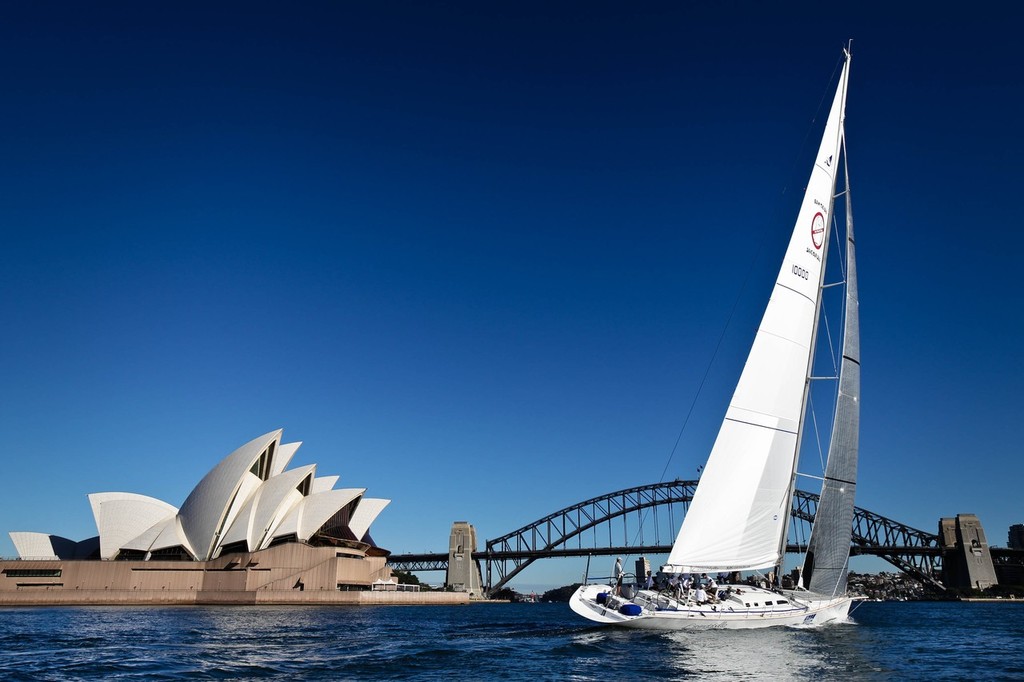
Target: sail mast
[[825, 566], [841, 101]]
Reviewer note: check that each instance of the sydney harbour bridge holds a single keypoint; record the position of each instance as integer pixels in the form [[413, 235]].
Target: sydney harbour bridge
[[643, 521]]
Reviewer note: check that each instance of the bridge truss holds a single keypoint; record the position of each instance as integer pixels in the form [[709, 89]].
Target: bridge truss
[[644, 520]]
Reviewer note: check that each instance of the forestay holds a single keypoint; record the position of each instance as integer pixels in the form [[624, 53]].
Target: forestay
[[738, 516]]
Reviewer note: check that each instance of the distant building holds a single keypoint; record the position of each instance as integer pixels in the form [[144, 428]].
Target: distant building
[[1016, 536], [251, 531]]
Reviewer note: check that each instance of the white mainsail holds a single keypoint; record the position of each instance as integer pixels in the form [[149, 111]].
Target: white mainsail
[[739, 512]]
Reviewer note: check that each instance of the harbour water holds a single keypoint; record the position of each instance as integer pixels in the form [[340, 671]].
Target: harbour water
[[885, 641]]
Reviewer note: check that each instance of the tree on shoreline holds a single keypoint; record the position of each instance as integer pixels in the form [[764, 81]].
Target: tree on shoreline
[[560, 594]]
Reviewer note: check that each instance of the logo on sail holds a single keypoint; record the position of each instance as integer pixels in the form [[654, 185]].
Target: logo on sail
[[818, 229]]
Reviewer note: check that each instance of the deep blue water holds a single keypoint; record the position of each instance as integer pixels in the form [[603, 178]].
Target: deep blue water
[[887, 641]]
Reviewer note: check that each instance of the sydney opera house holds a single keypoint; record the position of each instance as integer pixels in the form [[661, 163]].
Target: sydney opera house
[[252, 531]]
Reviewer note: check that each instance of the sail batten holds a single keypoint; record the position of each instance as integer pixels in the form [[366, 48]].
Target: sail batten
[[762, 426], [738, 516]]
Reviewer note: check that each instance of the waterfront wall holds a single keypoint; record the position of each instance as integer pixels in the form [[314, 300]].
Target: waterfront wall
[[234, 598], [291, 573]]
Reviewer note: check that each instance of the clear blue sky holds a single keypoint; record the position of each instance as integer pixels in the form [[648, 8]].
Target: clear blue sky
[[477, 257]]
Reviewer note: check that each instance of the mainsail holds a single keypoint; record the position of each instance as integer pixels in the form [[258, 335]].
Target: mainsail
[[828, 550], [738, 516]]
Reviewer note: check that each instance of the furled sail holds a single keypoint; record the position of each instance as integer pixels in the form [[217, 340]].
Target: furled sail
[[828, 550], [739, 512]]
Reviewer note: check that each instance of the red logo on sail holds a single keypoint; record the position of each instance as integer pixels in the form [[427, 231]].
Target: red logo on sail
[[818, 230]]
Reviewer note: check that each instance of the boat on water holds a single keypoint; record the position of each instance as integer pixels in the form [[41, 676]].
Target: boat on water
[[738, 518]]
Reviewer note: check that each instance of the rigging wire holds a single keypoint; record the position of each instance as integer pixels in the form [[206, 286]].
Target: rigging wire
[[817, 433], [834, 349]]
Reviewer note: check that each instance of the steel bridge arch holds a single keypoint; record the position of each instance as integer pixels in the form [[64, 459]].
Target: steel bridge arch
[[912, 551]]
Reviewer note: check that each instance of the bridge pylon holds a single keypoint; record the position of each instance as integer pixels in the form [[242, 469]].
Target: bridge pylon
[[463, 574]]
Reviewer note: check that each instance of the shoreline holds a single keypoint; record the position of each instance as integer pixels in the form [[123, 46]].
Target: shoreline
[[993, 600], [232, 598]]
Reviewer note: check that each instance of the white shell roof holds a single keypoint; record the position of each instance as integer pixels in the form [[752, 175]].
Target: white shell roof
[[205, 513], [324, 483], [172, 535], [264, 507], [364, 515], [247, 488], [236, 501], [145, 539], [285, 452], [31, 545], [122, 517], [314, 511], [162, 535]]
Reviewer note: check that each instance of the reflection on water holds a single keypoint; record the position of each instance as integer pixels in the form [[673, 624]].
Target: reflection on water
[[738, 655], [829, 652]]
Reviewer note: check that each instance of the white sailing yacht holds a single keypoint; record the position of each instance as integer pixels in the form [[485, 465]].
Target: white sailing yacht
[[740, 512]]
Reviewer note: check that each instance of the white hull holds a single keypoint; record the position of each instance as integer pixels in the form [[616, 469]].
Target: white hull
[[660, 612]]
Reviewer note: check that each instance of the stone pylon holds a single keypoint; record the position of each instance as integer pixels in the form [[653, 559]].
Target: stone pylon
[[463, 571]]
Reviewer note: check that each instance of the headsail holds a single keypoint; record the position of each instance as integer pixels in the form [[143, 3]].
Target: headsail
[[737, 519], [828, 550]]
